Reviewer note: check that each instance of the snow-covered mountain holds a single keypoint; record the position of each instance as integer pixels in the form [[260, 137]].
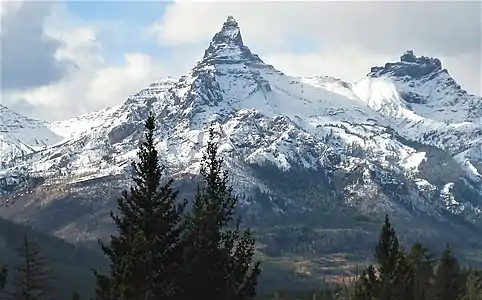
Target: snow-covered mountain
[[20, 135], [404, 140]]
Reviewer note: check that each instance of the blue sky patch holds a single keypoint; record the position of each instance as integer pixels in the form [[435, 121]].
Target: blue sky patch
[[123, 26], [141, 12]]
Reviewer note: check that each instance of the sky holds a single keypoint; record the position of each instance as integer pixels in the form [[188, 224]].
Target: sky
[[62, 59]]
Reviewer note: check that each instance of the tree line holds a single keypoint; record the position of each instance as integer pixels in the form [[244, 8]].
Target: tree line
[[162, 249], [401, 275], [167, 249], [414, 274]]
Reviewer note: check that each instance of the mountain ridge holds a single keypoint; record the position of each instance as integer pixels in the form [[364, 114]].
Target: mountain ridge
[[390, 142]]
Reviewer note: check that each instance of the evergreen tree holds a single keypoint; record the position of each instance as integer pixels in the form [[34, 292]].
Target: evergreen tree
[[32, 279], [393, 277], [422, 263], [145, 256], [368, 286], [387, 254], [448, 283], [403, 280], [217, 256]]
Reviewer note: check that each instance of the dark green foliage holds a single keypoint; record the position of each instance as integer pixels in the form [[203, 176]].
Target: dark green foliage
[[448, 278], [71, 264], [368, 286], [387, 252], [401, 276], [403, 279], [162, 252], [392, 278], [145, 256], [217, 256], [32, 279], [423, 269]]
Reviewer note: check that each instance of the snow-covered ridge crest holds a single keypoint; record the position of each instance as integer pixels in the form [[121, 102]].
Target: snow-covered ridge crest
[[429, 90], [20, 135], [372, 129]]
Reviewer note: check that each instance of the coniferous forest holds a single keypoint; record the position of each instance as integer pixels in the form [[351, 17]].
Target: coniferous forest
[[170, 248]]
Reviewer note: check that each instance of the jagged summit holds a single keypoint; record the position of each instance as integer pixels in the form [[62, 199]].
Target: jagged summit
[[227, 46], [409, 65], [229, 34], [421, 81], [409, 57]]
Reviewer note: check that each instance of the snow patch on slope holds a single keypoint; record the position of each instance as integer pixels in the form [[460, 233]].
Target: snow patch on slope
[[20, 135]]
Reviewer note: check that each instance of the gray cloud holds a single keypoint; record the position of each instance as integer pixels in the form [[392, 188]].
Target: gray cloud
[[448, 26], [27, 54], [451, 28]]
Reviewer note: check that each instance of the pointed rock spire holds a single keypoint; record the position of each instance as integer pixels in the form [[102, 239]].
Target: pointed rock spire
[[227, 48], [230, 33], [227, 41], [228, 37]]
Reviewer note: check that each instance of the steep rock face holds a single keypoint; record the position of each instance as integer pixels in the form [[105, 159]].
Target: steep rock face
[[291, 144], [424, 103], [428, 90]]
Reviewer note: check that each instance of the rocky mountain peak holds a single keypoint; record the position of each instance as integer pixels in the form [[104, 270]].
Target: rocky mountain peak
[[409, 66], [227, 46], [229, 34]]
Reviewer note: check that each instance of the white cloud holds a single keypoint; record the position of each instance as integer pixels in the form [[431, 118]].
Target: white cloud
[[93, 86], [347, 38], [90, 83], [110, 84], [353, 34]]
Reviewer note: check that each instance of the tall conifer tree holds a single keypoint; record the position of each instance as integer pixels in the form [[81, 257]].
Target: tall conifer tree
[[33, 278], [387, 254], [145, 255], [448, 277], [423, 271], [391, 280], [218, 257], [368, 286]]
